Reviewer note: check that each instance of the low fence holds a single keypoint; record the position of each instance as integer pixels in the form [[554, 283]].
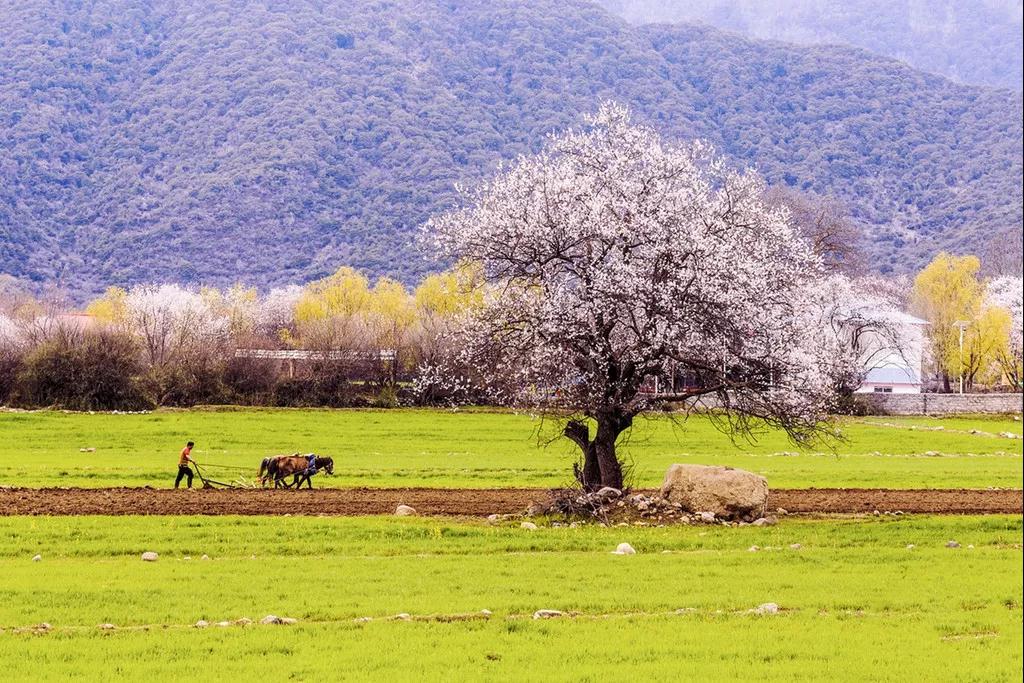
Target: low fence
[[940, 404]]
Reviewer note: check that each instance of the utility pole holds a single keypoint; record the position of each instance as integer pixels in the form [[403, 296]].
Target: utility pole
[[962, 325]]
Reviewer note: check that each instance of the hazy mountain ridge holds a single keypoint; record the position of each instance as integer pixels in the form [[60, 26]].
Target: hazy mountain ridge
[[196, 141], [977, 42]]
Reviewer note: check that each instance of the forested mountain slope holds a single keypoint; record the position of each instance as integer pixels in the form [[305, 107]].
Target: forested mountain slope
[[274, 141]]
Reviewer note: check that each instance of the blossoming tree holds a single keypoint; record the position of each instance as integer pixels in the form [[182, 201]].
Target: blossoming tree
[[614, 259]]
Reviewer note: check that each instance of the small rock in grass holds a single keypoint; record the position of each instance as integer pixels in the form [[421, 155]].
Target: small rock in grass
[[546, 614], [271, 619], [37, 558], [795, 546], [753, 549], [529, 526], [288, 621], [205, 557], [766, 608], [43, 627], [493, 519], [765, 521], [608, 492], [911, 546], [952, 544], [244, 621], [106, 627], [187, 558], [486, 612], [706, 517], [666, 552], [624, 549], [202, 623], [364, 620], [686, 610], [405, 511], [150, 556], [876, 513], [782, 511], [223, 624], [970, 547], [403, 616]]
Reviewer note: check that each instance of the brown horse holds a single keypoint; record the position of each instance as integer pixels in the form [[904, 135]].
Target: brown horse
[[300, 467], [264, 473]]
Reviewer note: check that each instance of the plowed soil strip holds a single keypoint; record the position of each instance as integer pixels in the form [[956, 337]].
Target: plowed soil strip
[[462, 502]]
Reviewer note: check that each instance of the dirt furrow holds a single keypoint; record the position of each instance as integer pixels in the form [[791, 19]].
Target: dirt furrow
[[463, 502]]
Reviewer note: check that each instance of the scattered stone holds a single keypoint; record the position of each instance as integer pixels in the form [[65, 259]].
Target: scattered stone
[[723, 491], [766, 608], [970, 547], [529, 526], [952, 544], [546, 614], [106, 627], [187, 558], [686, 610], [795, 546], [404, 616], [666, 552], [606, 492], [37, 558], [205, 557], [272, 619], [223, 624], [202, 623], [364, 620], [932, 454], [782, 511], [911, 546], [87, 450], [42, 627], [405, 511], [493, 519], [876, 513], [1008, 435], [753, 549], [244, 621], [624, 549], [486, 612], [707, 517], [150, 556], [765, 521]]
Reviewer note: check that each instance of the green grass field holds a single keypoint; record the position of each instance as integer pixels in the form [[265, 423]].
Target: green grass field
[[396, 448], [856, 604]]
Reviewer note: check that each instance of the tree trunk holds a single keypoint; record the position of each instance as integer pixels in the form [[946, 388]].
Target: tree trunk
[[589, 476], [945, 382], [601, 466]]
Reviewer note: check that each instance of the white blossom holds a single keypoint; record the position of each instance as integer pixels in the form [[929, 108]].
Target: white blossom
[[615, 258]]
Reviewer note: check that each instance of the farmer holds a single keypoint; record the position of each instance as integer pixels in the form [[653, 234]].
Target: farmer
[[183, 469]]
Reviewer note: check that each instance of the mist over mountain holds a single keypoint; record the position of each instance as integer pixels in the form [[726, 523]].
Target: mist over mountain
[[271, 142], [978, 42]]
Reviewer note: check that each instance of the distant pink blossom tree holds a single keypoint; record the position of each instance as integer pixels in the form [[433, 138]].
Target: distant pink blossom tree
[[614, 258]]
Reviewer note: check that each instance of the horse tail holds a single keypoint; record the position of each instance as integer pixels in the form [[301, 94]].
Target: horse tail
[[263, 467]]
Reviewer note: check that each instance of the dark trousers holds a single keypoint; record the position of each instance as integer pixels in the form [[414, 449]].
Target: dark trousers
[[183, 471]]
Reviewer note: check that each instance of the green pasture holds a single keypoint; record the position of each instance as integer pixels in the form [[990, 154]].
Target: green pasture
[[397, 448], [855, 602]]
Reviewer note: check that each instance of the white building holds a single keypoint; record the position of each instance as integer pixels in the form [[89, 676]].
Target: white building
[[894, 358]]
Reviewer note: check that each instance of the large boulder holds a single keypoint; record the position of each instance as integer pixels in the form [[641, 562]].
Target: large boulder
[[727, 492]]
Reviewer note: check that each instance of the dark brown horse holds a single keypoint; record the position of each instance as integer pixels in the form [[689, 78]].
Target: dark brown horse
[[300, 467]]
